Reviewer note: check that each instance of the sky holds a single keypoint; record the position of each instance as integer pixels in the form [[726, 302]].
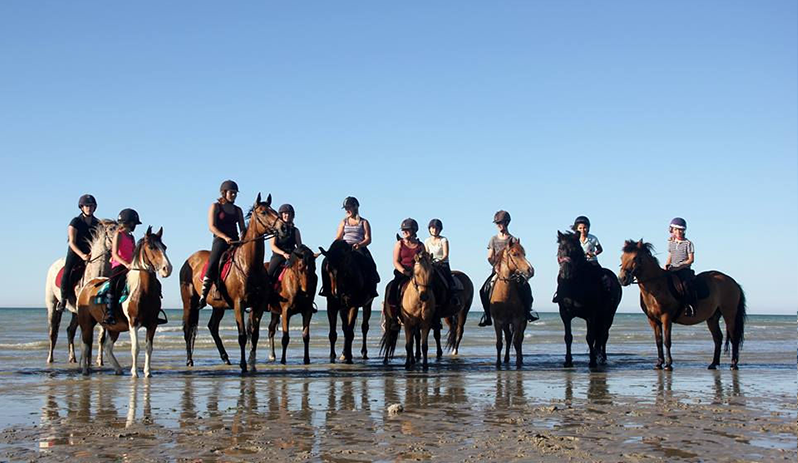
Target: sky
[[628, 112]]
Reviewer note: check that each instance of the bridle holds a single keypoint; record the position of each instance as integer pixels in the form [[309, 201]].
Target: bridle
[[271, 229], [514, 274]]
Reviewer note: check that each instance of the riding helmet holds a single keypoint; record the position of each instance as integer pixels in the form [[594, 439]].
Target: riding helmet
[[129, 216], [410, 224], [501, 217], [350, 202], [286, 208], [679, 223], [436, 223], [228, 185], [87, 200], [581, 219]]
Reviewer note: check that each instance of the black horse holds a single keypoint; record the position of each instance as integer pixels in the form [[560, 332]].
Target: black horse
[[347, 276], [587, 291]]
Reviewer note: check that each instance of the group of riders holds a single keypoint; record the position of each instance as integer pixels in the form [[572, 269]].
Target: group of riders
[[226, 223]]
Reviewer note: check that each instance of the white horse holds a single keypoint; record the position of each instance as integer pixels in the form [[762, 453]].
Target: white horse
[[100, 265]]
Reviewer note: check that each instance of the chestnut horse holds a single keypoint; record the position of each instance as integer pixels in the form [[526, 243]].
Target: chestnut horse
[[417, 312], [726, 299], [506, 303], [587, 291], [245, 286], [349, 290], [98, 266], [297, 288], [140, 309]]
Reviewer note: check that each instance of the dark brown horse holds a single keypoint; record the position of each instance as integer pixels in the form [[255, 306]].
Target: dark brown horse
[[456, 316], [725, 299], [506, 302], [297, 288], [245, 286], [140, 309], [587, 291], [350, 289]]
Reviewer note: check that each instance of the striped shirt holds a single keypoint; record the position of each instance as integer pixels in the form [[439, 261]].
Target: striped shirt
[[354, 233], [680, 251]]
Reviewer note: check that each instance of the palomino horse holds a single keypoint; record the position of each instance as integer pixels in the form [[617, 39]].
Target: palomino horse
[[98, 266], [297, 288], [506, 302], [245, 286], [140, 309], [349, 290], [582, 292], [726, 299], [417, 312]]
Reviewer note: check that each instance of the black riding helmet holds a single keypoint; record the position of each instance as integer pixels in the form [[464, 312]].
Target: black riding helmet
[[350, 201], [581, 219], [286, 208], [228, 185], [502, 217], [410, 224], [87, 200], [436, 223], [129, 216]]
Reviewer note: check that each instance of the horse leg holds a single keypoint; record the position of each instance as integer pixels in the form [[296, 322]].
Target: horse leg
[[499, 334], [148, 350], [53, 324], [213, 326], [253, 331], [518, 340], [410, 358], [425, 344], [508, 342], [461, 320], [332, 318], [134, 350], [417, 343], [306, 335], [436, 332], [87, 337], [101, 350], [71, 330], [666, 334], [242, 334], [272, 330], [285, 319], [109, 351], [657, 327], [190, 322], [348, 319], [569, 338], [713, 323], [590, 337], [364, 329]]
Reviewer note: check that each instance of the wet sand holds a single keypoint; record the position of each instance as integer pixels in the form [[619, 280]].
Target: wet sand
[[458, 410]]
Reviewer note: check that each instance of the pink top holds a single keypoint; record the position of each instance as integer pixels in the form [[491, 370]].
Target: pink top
[[126, 245]]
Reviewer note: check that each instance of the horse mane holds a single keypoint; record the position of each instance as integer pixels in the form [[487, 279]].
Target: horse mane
[[137, 252], [99, 233], [570, 237], [301, 253], [647, 248]]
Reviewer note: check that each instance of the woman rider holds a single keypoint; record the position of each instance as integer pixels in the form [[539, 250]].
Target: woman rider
[[79, 234], [438, 248], [226, 222], [404, 252], [122, 248], [681, 255], [283, 247]]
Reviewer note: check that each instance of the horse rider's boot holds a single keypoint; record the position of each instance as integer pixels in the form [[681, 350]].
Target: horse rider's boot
[[526, 295], [206, 287], [110, 308], [484, 296]]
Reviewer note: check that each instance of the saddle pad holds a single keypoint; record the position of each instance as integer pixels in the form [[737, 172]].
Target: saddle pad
[[102, 294], [227, 264], [59, 277], [279, 280], [77, 268]]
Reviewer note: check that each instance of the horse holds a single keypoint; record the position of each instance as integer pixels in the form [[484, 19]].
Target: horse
[[725, 299], [140, 309], [506, 302], [350, 289], [245, 286], [417, 312], [456, 316], [98, 266], [297, 288], [582, 292]]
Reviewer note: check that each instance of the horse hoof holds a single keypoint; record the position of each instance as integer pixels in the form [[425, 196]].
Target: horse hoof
[[71, 360], [348, 361], [227, 362], [365, 356], [189, 363], [306, 361], [272, 358], [85, 372], [712, 366], [118, 372], [658, 366], [734, 367], [592, 365], [668, 368], [282, 361], [342, 357], [332, 359], [568, 364], [148, 375]]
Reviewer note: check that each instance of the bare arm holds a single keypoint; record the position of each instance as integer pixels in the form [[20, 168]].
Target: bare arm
[[491, 257], [366, 234], [445, 250], [668, 261], [72, 233], [396, 264], [339, 234], [115, 251], [690, 259], [599, 249], [242, 226], [277, 250]]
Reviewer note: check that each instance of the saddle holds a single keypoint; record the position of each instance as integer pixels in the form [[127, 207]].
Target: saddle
[[225, 265], [684, 286], [74, 277]]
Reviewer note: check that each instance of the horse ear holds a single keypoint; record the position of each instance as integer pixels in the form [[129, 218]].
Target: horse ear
[[257, 200], [640, 244], [322, 251], [268, 199], [149, 230], [159, 234], [317, 254], [560, 235], [398, 238]]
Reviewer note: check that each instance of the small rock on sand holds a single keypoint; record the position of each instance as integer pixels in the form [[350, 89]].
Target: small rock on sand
[[395, 409]]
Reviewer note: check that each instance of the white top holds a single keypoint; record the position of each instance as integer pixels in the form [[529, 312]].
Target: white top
[[590, 245], [435, 248]]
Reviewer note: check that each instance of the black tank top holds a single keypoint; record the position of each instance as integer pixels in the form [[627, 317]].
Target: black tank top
[[84, 232], [227, 220], [288, 243]]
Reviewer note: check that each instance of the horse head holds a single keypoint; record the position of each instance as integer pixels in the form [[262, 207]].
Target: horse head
[[636, 255], [422, 274], [151, 253], [303, 262], [266, 221], [569, 254], [513, 262]]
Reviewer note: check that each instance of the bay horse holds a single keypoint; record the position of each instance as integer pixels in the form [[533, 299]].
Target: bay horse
[[416, 311], [350, 289], [454, 316], [725, 299], [506, 302], [140, 309], [295, 292], [98, 266], [245, 286], [582, 292]]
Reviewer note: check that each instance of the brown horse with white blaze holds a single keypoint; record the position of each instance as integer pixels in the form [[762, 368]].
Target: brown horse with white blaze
[[725, 299], [506, 302], [245, 286], [140, 309]]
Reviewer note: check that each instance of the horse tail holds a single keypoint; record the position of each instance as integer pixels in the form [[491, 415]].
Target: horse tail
[[388, 342], [451, 337], [739, 322]]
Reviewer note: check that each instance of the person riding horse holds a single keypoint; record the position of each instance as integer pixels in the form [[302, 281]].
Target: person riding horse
[[122, 249], [495, 247], [404, 252], [438, 247], [225, 221], [283, 247], [79, 233], [681, 255]]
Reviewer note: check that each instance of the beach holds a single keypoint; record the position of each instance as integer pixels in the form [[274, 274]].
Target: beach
[[462, 408]]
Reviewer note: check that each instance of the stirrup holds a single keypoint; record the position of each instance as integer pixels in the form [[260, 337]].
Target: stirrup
[[485, 320], [689, 310]]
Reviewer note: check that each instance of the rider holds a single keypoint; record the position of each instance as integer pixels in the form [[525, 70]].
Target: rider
[[283, 247], [121, 259], [495, 247], [438, 247], [590, 244], [404, 252], [356, 231], [79, 233], [225, 220], [681, 255]]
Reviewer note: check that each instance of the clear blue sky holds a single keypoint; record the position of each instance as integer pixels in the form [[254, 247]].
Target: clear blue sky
[[628, 112]]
